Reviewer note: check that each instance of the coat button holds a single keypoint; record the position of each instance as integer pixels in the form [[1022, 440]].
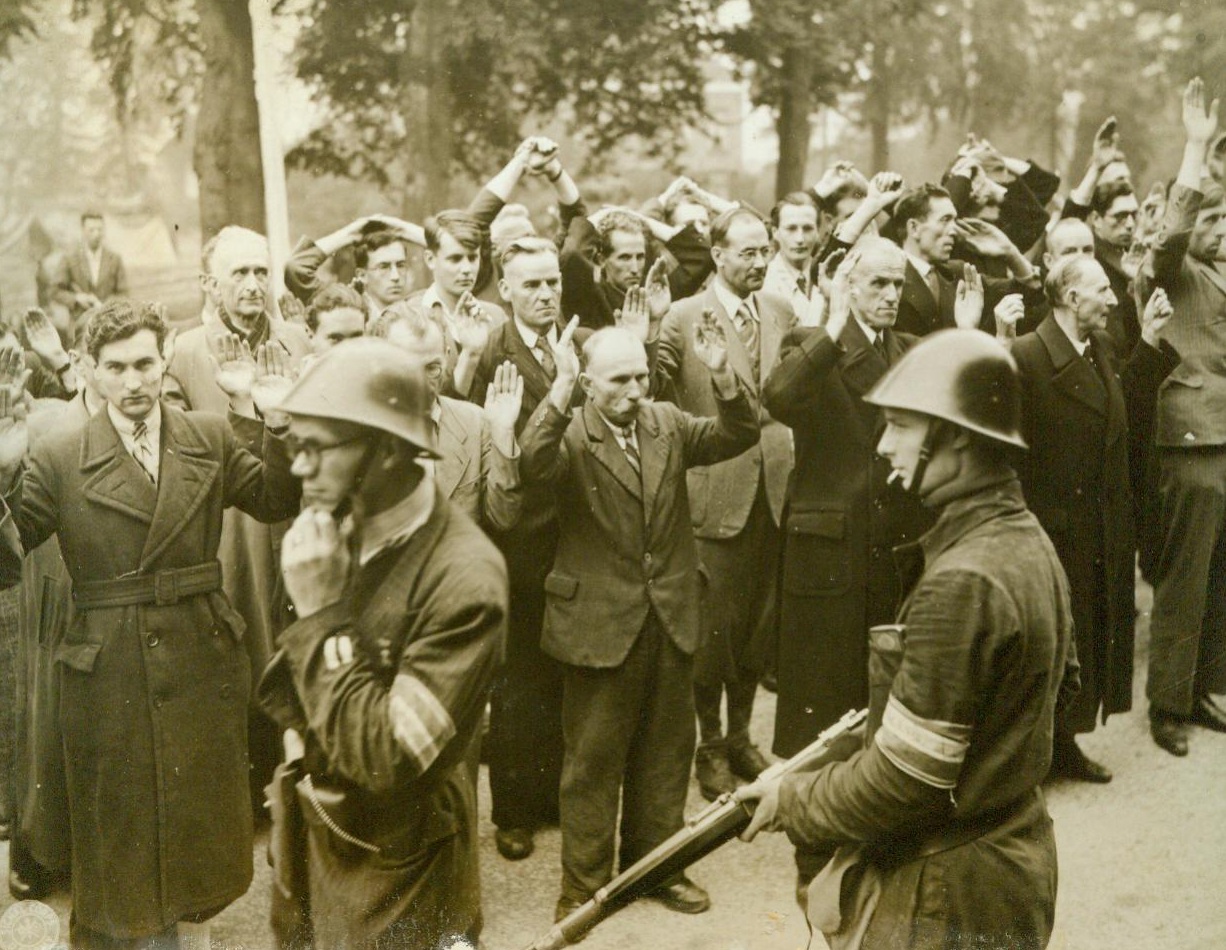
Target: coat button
[[226, 690], [152, 639]]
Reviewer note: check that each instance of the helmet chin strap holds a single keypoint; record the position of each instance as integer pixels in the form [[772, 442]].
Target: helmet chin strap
[[352, 503], [935, 428]]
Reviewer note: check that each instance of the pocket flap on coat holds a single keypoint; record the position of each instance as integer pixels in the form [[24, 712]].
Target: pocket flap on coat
[[79, 656], [826, 524], [561, 585]]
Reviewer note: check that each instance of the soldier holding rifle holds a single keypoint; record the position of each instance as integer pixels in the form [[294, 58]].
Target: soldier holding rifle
[[944, 838]]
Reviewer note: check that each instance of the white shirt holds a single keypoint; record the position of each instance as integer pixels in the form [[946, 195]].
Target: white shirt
[[868, 331], [1079, 345], [619, 432], [436, 416], [397, 524], [127, 435], [920, 265]]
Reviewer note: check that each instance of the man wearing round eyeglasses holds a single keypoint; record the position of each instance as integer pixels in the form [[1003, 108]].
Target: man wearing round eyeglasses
[[381, 681]]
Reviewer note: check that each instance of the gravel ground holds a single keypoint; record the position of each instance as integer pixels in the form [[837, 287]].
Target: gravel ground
[[1141, 861]]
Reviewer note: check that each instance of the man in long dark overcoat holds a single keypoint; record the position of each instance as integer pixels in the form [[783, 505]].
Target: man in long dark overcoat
[[155, 679]]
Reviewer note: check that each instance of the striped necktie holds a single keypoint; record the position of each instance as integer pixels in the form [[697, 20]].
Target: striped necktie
[[141, 450], [747, 330], [632, 451]]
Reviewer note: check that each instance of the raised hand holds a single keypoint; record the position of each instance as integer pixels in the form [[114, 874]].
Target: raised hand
[[1008, 313], [659, 294], [1155, 317], [968, 301], [984, 238], [1199, 123], [1106, 147], [565, 356], [840, 295], [43, 339], [273, 380], [710, 343], [884, 188], [292, 309], [233, 365], [471, 325], [13, 372], [504, 397], [14, 439], [635, 314]]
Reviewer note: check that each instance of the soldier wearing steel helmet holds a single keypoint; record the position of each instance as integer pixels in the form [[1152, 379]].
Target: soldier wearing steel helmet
[[944, 840], [381, 681]]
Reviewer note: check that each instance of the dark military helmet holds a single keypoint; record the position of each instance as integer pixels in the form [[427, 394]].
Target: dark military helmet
[[368, 382], [962, 376]]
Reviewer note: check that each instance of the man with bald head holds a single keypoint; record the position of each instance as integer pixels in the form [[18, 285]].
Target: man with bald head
[[842, 520], [234, 280], [622, 599]]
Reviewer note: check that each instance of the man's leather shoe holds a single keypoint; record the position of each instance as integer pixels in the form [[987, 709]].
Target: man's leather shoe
[[682, 895], [1207, 713], [713, 772], [746, 761], [1169, 733], [1068, 761], [514, 844]]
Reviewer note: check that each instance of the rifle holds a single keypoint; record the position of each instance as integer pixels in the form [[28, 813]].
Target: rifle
[[718, 823]]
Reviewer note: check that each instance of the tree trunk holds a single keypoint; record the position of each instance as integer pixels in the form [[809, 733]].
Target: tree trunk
[[877, 102], [428, 110], [795, 125], [227, 149]]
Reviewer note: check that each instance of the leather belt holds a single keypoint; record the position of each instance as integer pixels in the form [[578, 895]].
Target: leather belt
[[162, 589]]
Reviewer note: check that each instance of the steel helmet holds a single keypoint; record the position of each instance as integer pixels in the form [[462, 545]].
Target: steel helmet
[[368, 382], [962, 376]]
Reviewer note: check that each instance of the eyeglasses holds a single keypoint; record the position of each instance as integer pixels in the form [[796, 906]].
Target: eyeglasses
[[311, 451], [749, 255]]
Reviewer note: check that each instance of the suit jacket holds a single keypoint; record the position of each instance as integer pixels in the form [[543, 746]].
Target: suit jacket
[[625, 546], [840, 528], [76, 278], [722, 495], [154, 697], [919, 314], [1192, 401], [1076, 481], [472, 474]]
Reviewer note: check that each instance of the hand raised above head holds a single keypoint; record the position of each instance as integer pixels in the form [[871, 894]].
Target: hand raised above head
[[1199, 123]]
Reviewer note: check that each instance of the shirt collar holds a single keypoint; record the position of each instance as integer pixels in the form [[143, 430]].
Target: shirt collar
[[729, 300], [868, 331], [127, 427], [920, 265], [1079, 345], [430, 298], [530, 336], [619, 432], [393, 527]]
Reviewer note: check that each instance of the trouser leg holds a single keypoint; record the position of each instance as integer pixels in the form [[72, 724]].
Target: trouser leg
[[707, 701], [740, 710]]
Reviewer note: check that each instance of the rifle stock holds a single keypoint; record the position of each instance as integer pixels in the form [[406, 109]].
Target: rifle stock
[[704, 832]]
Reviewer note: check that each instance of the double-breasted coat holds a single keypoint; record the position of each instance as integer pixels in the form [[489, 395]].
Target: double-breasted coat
[[1076, 481], [154, 695], [841, 524]]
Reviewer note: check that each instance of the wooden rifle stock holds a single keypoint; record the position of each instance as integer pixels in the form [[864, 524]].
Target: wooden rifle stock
[[719, 822]]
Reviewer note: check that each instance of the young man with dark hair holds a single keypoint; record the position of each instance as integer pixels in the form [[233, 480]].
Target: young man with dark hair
[[335, 314], [794, 224], [155, 676]]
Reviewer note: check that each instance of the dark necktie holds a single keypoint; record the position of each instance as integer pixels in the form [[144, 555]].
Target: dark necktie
[[747, 330], [934, 284], [879, 346], [545, 355], [1095, 364], [632, 452]]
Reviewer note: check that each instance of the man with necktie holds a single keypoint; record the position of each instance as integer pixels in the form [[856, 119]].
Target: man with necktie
[[1076, 480], [524, 745], [155, 678], [735, 506], [794, 229], [622, 607]]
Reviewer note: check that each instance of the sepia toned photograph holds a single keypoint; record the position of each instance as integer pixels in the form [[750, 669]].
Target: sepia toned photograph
[[682, 474]]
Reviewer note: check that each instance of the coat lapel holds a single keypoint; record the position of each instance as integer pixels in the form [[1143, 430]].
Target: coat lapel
[[536, 380], [861, 365], [185, 475], [738, 356], [606, 450], [1117, 411], [114, 479], [772, 325], [1074, 376], [917, 296], [653, 455], [452, 446]]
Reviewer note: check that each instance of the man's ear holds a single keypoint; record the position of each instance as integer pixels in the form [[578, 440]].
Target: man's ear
[[208, 286], [585, 383], [428, 258], [504, 289]]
